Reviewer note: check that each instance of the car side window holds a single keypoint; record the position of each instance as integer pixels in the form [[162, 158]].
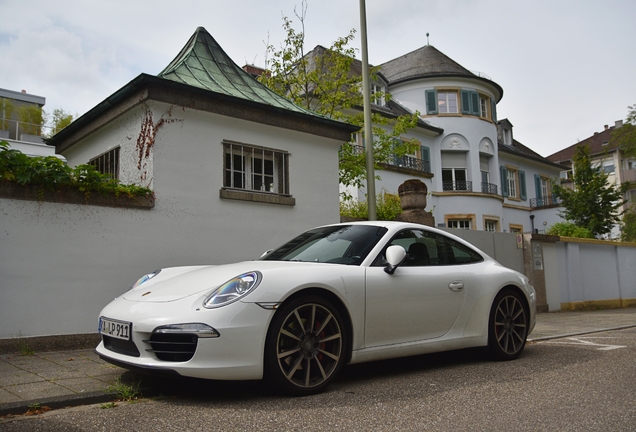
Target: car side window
[[425, 248]]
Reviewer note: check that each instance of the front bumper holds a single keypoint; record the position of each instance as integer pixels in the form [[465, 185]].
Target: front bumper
[[237, 354]]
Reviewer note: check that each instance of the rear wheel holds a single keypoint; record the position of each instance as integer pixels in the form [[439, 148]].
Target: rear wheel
[[306, 346], [508, 325]]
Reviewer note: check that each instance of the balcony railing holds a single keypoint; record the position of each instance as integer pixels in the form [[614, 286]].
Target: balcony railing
[[543, 202], [464, 186], [489, 188], [411, 163], [21, 131]]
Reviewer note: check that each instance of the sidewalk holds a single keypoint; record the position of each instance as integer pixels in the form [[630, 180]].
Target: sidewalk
[[78, 377]]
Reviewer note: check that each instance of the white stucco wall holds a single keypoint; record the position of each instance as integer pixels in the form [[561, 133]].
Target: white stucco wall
[[61, 263]]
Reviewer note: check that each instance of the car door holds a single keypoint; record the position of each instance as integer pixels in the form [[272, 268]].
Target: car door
[[424, 296]]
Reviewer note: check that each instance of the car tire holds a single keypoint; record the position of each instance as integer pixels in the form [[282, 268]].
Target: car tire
[[306, 346], [508, 325]]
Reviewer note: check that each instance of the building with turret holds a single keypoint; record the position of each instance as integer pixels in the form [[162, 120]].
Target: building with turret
[[478, 176]]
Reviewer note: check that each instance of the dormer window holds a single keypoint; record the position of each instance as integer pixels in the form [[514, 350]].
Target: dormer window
[[377, 94]]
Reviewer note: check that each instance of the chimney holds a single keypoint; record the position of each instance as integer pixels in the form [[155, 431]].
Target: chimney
[[618, 123], [605, 127], [23, 91]]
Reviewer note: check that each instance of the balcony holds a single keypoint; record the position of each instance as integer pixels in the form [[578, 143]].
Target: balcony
[[410, 162], [463, 186], [489, 188], [544, 202], [628, 175], [21, 131]]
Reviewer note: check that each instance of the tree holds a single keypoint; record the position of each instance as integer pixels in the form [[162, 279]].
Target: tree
[[593, 203], [59, 120], [628, 230], [325, 83], [624, 137]]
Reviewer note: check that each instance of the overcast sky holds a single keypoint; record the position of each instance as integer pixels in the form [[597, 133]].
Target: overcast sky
[[567, 67]]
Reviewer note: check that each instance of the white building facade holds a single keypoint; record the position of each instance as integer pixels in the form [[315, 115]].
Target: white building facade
[[477, 175]]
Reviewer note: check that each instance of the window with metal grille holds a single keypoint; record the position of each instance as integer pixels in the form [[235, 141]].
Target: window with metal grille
[[107, 163], [255, 168]]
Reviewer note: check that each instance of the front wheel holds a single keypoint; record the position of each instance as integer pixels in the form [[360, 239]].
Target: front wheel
[[305, 347], [508, 325]]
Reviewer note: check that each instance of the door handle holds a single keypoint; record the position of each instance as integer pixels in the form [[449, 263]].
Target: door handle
[[456, 286]]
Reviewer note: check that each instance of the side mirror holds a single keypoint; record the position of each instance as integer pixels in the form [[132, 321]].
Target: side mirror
[[394, 256]]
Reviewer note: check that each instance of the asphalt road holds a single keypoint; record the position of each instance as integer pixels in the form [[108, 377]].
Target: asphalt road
[[585, 383]]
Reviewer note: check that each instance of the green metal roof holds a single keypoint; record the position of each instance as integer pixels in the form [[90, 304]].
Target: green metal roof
[[202, 63]]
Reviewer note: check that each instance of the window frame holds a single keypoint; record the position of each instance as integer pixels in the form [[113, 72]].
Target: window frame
[[247, 190], [446, 100]]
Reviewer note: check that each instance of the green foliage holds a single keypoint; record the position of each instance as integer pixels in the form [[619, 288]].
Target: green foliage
[[628, 230], [125, 392], [53, 174], [624, 137], [6, 111], [32, 118], [59, 120], [388, 207], [568, 229], [593, 203], [325, 83]]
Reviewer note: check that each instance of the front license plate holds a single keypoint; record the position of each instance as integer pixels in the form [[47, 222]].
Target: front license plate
[[114, 328]]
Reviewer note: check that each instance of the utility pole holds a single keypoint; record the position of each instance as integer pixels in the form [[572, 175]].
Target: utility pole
[[368, 127]]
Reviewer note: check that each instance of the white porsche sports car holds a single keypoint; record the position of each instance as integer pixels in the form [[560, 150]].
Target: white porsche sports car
[[337, 294]]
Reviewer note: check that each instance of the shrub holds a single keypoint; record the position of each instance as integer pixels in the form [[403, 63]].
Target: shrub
[[387, 207], [52, 173], [568, 229]]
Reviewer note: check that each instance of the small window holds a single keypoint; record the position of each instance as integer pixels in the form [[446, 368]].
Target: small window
[[490, 225], [447, 102], [483, 112], [377, 94], [255, 169], [107, 163], [459, 223]]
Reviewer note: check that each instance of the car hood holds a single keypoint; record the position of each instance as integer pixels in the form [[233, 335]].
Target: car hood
[[175, 283]]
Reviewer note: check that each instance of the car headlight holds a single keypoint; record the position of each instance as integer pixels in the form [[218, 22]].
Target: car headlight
[[145, 278], [233, 290]]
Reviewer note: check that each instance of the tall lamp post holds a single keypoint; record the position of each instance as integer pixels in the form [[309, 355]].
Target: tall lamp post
[[368, 127]]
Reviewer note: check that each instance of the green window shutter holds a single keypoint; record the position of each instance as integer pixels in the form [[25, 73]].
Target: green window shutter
[[522, 185], [426, 158], [493, 110], [426, 153], [431, 101], [466, 102], [504, 181], [537, 186], [474, 103]]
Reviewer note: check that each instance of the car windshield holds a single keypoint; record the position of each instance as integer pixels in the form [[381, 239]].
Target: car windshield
[[340, 244]]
